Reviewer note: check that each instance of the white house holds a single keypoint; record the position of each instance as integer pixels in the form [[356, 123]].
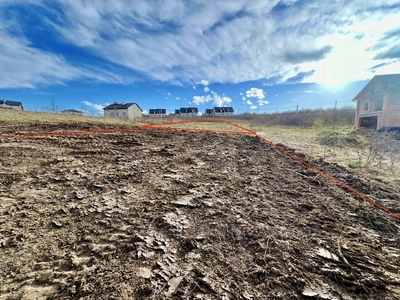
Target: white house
[[223, 111], [157, 112], [123, 110], [11, 104], [378, 103], [187, 111]]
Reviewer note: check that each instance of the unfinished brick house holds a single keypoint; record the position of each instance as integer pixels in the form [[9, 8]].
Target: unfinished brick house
[[378, 103]]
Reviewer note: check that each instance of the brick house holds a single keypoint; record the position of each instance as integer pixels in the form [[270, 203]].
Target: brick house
[[378, 103]]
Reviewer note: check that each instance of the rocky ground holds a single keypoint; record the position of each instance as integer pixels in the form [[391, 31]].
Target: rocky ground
[[155, 214]]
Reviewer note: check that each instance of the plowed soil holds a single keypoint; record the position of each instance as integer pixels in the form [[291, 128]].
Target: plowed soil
[[154, 214]]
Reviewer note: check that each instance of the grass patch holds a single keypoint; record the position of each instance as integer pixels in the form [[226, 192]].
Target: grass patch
[[354, 164]]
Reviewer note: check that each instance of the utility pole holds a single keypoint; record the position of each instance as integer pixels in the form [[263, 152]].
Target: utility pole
[[297, 108], [335, 105]]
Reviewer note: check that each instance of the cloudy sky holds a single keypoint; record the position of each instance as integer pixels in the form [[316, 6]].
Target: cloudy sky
[[254, 55]]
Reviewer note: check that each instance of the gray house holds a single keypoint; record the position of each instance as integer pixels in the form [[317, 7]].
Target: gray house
[[123, 110], [219, 111], [378, 103], [157, 112], [223, 111], [187, 111], [11, 104], [72, 112]]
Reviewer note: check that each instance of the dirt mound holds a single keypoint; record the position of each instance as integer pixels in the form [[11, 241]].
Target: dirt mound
[[180, 215]]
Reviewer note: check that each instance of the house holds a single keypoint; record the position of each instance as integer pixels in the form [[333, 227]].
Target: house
[[223, 111], [378, 103], [158, 112], [11, 104], [209, 112], [124, 110], [72, 112], [187, 111], [219, 111]]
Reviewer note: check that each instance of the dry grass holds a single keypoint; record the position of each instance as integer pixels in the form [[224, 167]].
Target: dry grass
[[13, 116], [305, 140]]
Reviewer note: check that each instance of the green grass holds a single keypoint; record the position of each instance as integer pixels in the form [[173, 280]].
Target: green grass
[[354, 164]]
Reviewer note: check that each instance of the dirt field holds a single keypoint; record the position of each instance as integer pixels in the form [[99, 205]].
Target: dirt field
[[154, 214]]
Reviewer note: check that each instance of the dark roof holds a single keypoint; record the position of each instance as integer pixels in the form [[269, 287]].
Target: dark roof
[[72, 110], [188, 110], [121, 106], [390, 81], [223, 109], [209, 110], [11, 103], [157, 111]]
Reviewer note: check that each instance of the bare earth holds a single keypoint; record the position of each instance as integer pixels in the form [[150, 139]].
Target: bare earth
[[157, 214]]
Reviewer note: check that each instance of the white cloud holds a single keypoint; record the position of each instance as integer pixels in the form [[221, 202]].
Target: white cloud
[[257, 93], [23, 66], [206, 89], [201, 99], [203, 82], [97, 107], [253, 107], [30, 67], [215, 98], [249, 102], [262, 102], [220, 101], [179, 42]]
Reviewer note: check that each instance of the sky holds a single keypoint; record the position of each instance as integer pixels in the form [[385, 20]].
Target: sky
[[256, 56]]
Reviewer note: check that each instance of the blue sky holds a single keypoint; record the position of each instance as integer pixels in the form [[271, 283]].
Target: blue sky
[[254, 55]]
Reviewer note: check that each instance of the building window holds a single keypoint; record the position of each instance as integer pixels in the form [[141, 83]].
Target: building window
[[378, 105], [365, 106]]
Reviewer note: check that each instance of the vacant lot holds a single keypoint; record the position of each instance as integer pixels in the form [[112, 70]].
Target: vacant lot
[[154, 214]]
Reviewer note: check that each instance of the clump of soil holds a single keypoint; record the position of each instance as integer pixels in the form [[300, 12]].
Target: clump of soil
[[178, 215]]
